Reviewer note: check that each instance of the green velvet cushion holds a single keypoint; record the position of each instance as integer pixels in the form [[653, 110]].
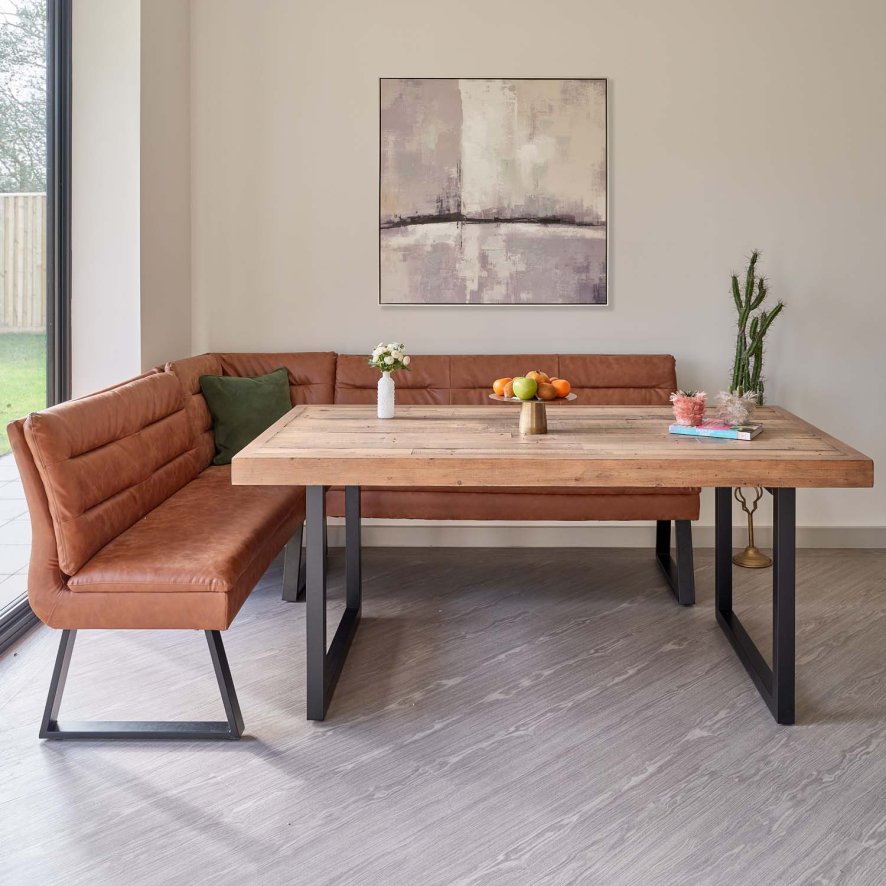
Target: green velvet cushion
[[243, 407]]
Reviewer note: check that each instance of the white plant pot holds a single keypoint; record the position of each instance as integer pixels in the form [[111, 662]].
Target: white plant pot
[[386, 396]]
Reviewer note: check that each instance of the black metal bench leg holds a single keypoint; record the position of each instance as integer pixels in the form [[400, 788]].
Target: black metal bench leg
[[775, 684], [230, 729], [324, 667], [680, 574], [294, 572]]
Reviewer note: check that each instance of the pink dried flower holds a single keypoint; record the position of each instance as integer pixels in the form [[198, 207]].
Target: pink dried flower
[[689, 407]]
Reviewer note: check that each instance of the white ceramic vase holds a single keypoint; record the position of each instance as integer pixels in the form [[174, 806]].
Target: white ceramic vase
[[386, 396]]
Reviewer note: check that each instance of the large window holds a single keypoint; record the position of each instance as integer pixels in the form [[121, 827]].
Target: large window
[[34, 255]]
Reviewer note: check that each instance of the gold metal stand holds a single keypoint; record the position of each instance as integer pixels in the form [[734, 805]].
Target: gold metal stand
[[751, 557], [533, 417]]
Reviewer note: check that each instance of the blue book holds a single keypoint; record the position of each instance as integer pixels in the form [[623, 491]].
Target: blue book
[[712, 428]]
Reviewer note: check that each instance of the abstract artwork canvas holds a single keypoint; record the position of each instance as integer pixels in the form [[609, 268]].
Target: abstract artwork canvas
[[493, 192]]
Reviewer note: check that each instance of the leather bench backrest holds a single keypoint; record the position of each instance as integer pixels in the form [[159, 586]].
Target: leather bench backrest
[[311, 380], [108, 459], [472, 376], [597, 379], [311, 375], [45, 579], [188, 372], [620, 379], [426, 383]]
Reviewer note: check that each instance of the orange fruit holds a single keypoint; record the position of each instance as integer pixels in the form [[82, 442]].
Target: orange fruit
[[498, 386], [508, 390], [561, 386], [546, 391]]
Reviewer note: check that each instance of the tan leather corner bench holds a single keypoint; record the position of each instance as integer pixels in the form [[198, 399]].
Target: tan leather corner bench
[[132, 528], [597, 379]]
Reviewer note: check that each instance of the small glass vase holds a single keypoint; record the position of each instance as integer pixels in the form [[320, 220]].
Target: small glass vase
[[385, 396]]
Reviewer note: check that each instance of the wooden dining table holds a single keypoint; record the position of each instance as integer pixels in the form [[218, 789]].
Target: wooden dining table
[[586, 446]]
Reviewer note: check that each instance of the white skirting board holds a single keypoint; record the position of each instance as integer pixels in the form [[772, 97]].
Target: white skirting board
[[482, 534]]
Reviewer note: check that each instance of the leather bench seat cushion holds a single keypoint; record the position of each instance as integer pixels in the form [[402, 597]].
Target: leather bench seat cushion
[[516, 503], [192, 561]]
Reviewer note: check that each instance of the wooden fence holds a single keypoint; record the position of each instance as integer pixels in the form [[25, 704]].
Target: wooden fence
[[22, 262]]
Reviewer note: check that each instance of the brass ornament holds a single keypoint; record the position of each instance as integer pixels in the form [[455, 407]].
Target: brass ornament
[[751, 557]]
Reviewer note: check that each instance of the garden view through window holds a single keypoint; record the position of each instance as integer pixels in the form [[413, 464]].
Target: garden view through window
[[23, 235]]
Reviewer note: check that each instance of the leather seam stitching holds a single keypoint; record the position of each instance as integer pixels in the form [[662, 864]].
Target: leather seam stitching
[[169, 581], [140, 483], [182, 408]]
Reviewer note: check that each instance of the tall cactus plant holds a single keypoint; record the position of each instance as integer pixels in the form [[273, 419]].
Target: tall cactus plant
[[747, 369]]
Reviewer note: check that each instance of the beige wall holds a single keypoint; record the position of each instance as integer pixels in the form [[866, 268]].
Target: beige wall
[[165, 181], [131, 300], [105, 223], [733, 125]]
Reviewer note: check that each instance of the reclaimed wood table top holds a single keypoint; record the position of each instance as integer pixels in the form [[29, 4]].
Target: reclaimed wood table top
[[585, 446]]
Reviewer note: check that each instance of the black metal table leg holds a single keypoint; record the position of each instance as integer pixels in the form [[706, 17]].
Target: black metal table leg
[[353, 548], [324, 667], [294, 568], [784, 579], [775, 684], [679, 573]]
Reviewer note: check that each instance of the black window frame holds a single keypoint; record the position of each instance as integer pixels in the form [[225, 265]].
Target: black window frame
[[18, 617]]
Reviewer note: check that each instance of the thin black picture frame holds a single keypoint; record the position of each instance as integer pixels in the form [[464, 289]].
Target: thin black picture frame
[[480, 306]]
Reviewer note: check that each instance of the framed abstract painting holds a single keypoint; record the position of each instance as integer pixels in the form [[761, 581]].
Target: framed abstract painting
[[493, 192]]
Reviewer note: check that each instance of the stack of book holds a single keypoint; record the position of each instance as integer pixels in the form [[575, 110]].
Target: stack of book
[[713, 428]]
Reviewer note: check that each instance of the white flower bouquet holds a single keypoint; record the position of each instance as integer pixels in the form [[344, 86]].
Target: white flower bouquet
[[389, 358]]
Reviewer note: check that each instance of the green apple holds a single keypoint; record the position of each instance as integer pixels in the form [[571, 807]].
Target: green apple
[[525, 388]]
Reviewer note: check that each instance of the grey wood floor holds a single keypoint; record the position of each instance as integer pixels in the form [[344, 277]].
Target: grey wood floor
[[504, 717]]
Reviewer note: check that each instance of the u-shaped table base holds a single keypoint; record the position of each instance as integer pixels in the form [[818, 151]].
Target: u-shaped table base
[[324, 666], [776, 683]]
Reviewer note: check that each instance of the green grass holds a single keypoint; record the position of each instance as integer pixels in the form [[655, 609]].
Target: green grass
[[22, 377]]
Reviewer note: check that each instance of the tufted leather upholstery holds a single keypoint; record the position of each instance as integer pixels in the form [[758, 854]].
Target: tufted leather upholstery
[[188, 372], [311, 380], [619, 380], [427, 382], [209, 541], [132, 527], [598, 379], [109, 459], [311, 375], [46, 582]]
